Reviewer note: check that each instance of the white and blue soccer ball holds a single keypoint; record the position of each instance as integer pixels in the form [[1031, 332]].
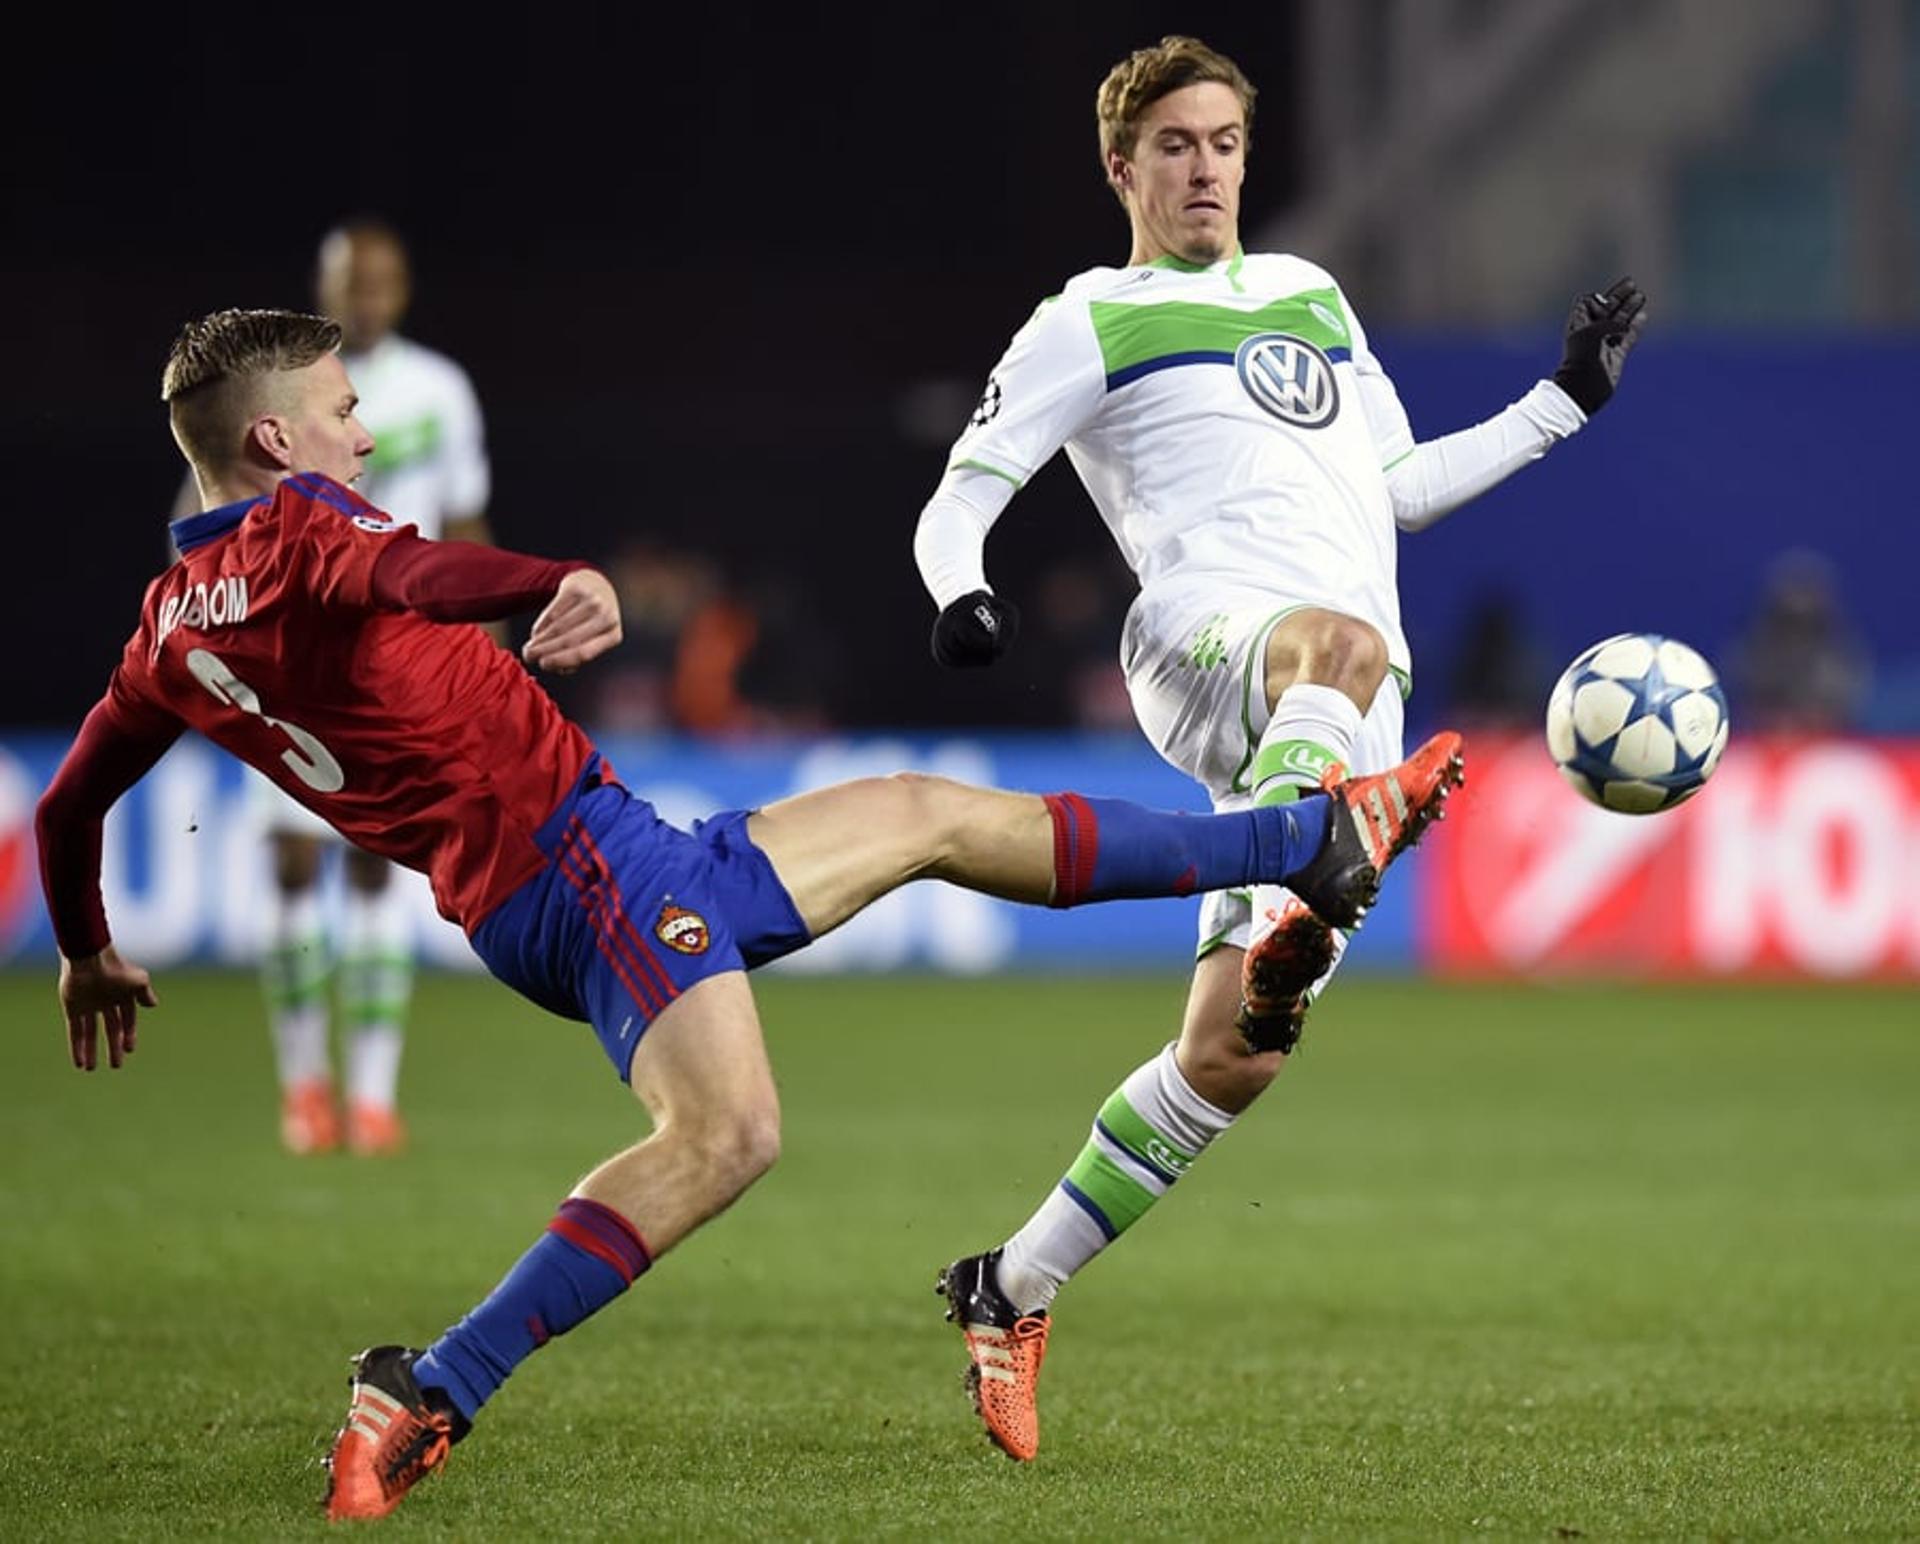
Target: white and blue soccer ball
[[1637, 723]]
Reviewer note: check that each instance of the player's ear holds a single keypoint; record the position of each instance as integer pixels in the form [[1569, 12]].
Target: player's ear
[[268, 438], [1119, 172]]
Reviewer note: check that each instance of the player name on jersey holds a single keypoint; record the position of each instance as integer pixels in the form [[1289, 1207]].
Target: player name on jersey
[[200, 604]]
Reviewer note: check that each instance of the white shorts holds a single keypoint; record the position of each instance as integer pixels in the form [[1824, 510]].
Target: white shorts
[[1191, 657]]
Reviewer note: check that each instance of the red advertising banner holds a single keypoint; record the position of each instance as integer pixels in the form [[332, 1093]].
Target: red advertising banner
[[1799, 858]]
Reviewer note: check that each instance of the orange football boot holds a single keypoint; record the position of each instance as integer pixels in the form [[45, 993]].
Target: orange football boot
[[1374, 819], [309, 1120], [374, 1130], [1281, 965], [1004, 1348], [395, 1436]]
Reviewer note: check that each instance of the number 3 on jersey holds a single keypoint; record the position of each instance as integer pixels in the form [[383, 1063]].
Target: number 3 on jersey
[[312, 763]]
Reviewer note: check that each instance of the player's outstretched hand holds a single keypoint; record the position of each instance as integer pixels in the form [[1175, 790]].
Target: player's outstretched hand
[[974, 630], [1601, 329], [580, 623], [103, 989]]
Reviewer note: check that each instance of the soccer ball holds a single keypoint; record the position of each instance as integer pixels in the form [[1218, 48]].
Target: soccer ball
[[1637, 723]]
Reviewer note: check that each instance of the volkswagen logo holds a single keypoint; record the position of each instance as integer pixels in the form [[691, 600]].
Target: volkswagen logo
[[1290, 378]]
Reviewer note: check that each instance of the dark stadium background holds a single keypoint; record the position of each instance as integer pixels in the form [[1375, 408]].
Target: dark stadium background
[[694, 263], [727, 280]]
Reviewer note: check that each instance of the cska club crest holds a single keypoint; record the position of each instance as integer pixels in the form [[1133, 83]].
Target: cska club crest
[[681, 929]]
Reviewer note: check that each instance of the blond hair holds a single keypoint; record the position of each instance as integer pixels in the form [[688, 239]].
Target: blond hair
[[219, 366]]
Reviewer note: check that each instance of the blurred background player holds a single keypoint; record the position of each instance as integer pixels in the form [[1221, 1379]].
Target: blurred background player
[[428, 468], [1254, 463]]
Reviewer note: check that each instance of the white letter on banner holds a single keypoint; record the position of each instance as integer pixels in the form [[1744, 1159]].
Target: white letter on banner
[[1844, 924], [1732, 865], [162, 923], [1913, 887], [1587, 855]]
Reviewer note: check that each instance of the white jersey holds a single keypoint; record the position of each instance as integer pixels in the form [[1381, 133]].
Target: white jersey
[[1230, 424], [1218, 419], [429, 463]]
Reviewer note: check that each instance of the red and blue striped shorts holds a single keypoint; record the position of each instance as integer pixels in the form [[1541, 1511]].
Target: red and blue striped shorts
[[631, 911]]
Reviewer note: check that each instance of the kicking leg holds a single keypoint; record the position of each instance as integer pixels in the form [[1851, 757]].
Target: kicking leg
[[840, 849], [702, 1072]]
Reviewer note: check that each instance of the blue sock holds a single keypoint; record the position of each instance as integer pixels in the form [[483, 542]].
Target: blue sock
[[1109, 849], [588, 1256]]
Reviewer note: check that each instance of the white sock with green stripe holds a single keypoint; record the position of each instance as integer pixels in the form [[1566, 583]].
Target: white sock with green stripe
[[1146, 1136], [293, 974], [376, 983], [1312, 728]]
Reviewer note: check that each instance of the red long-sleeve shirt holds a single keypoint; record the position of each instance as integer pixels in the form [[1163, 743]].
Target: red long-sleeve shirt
[[307, 634]]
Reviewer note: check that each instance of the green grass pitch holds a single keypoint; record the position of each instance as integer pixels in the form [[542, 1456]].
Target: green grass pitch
[[1521, 1262]]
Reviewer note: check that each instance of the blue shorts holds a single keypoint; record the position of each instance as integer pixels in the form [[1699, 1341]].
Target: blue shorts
[[629, 912]]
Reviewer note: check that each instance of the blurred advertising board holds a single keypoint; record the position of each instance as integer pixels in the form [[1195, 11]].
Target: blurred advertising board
[[184, 864], [1799, 859]]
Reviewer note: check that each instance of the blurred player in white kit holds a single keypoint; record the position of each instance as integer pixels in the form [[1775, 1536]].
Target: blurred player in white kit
[[428, 467]]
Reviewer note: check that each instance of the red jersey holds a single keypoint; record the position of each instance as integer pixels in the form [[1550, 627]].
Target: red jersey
[[419, 740]]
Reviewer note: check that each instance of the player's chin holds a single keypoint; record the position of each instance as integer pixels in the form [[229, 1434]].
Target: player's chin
[[1207, 239]]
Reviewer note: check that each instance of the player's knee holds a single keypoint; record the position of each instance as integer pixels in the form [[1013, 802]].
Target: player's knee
[[1325, 648], [930, 806], [296, 863], [738, 1146], [1358, 654], [367, 874]]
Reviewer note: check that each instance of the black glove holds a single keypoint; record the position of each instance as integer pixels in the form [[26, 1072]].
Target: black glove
[[1601, 328], [976, 629]]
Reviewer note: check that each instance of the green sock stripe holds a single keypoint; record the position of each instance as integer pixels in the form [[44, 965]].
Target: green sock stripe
[[294, 974], [372, 1012], [1129, 1129], [395, 963], [1121, 1197], [1298, 762], [376, 987]]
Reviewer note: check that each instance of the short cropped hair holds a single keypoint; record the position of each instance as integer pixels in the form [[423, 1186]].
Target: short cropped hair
[[1147, 74], [218, 366]]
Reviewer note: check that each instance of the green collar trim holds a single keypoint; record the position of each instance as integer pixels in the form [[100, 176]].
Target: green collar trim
[[1181, 265]]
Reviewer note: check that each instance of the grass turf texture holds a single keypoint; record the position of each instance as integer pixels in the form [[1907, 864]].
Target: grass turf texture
[[1526, 1262]]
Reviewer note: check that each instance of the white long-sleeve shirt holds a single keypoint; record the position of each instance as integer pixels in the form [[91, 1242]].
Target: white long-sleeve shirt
[[1227, 420]]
